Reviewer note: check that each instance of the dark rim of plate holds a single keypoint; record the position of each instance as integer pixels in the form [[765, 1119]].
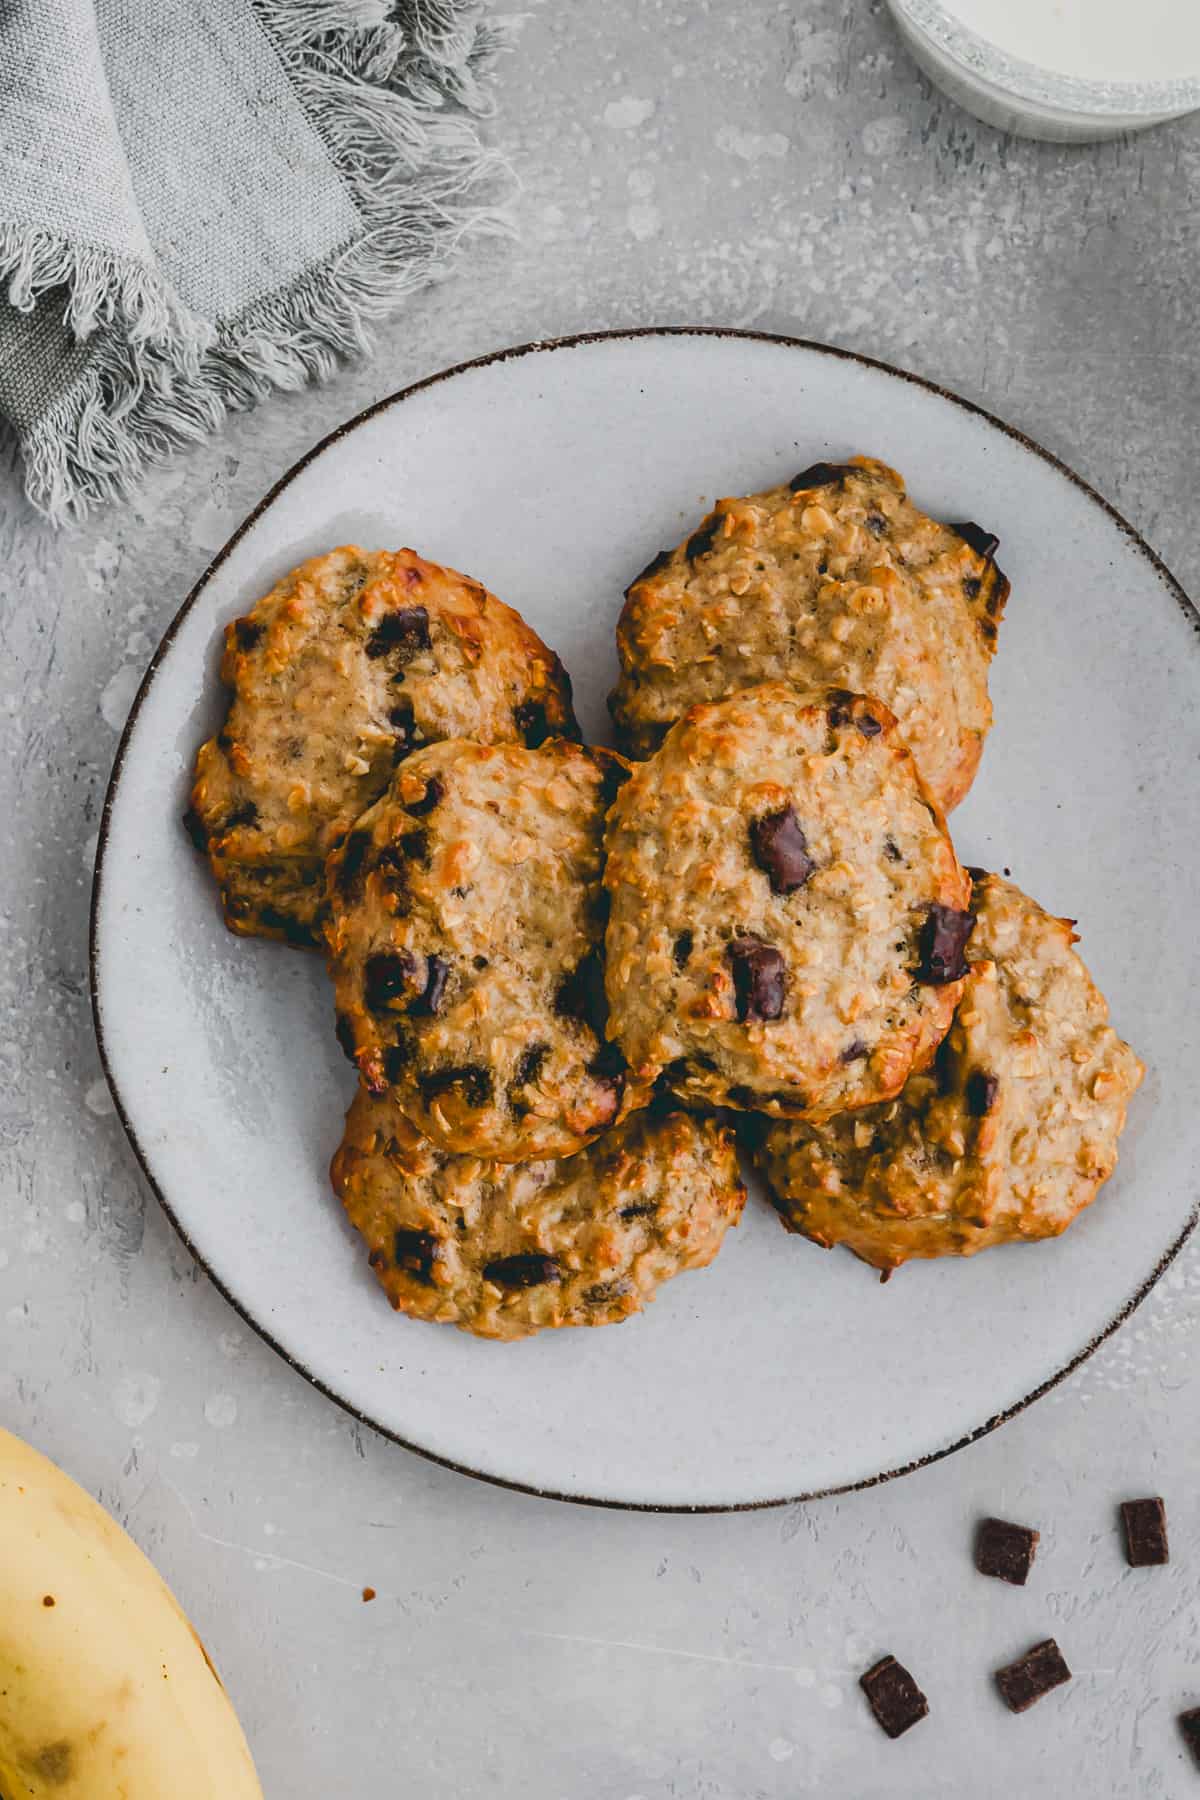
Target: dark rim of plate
[[573, 342]]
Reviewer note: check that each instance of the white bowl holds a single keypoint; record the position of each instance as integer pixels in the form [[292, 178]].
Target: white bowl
[[1028, 101]]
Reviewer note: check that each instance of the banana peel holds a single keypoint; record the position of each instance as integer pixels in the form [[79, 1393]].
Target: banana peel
[[106, 1692]]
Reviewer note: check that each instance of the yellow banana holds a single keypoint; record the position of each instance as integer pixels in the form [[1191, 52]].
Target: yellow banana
[[106, 1692]]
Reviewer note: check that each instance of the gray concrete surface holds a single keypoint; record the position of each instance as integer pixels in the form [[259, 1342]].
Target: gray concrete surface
[[738, 161]]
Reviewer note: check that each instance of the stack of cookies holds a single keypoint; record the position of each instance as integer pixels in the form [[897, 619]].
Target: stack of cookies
[[569, 981]]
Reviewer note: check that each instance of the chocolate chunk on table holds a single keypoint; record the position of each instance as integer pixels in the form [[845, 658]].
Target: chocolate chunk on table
[[1189, 1724], [1145, 1523], [1005, 1551], [893, 1696], [1032, 1675]]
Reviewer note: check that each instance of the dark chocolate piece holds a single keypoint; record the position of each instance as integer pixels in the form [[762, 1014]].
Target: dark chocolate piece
[[387, 976], [819, 474], [400, 634], [532, 723], [1005, 1551], [840, 701], [530, 1268], [350, 868], [1032, 1675], [474, 1080], [876, 524], [981, 1091], [781, 849], [429, 799], [416, 1252], [245, 814], [437, 974], [854, 1051], [1145, 1523], [682, 949], [530, 1064], [703, 539], [248, 632], [639, 1209], [759, 979], [942, 943], [196, 829], [893, 1696], [1189, 1724], [984, 543]]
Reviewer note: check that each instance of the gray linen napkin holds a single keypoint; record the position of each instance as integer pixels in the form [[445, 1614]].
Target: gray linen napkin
[[204, 199]]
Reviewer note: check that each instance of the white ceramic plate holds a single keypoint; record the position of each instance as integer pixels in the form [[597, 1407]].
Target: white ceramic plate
[[554, 473]]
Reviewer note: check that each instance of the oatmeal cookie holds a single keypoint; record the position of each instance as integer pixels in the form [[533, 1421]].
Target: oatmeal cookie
[[354, 660], [1003, 1140], [836, 577], [507, 1249], [465, 931], [788, 917]]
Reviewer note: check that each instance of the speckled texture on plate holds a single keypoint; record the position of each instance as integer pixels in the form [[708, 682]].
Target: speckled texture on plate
[[820, 186], [507, 1249]]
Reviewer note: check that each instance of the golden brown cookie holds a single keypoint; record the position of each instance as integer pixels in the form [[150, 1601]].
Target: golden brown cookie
[[465, 930], [1003, 1140], [507, 1249], [836, 578], [353, 661], [787, 911]]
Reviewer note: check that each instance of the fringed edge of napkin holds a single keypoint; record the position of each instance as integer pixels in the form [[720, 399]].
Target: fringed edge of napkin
[[101, 289], [394, 87]]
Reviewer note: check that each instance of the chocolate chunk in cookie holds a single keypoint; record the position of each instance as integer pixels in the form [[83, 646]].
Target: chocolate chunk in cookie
[[943, 943], [820, 474], [759, 979], [527, 1269], [781, 849], [984, 543], [400, 635]]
